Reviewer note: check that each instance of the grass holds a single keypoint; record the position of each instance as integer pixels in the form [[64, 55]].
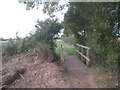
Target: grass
[[57, 50], [70, 51]]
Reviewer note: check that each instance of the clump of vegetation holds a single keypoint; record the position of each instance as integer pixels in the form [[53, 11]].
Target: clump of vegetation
[[70, 39], [58, 51], [70, 51], [43, 39], [9, 48], [96, 27]]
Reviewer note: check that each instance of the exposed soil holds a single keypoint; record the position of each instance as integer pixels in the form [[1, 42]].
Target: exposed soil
[[79, 75], [38, 73], [31, 71]]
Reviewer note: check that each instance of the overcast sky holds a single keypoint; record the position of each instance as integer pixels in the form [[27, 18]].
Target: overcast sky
[[15, 18]]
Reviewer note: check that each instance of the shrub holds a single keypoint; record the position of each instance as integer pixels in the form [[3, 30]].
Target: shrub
[[9, 48], [44, 51], [111, 57]]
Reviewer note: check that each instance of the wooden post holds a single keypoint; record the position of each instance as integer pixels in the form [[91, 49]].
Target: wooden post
[[82, 53], [62, 57], [79, 49], [87, 54]]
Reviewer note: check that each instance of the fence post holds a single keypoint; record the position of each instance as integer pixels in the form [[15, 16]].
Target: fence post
[[87, 54], [82, 53], [62, 57]]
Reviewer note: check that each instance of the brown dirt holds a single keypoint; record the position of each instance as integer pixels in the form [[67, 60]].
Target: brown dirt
[[39, 72], [81, 79], [79, 75]]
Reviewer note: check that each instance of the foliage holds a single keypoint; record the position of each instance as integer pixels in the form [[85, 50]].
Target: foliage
[[70, 39], [68, 49], [9, 48], [94, 25], [47, 31], [43, 38], [57, 51], [25, 44], [48, 7], [44, 51]]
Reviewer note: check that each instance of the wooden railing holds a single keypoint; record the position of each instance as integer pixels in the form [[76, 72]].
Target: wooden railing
[[84, 52]]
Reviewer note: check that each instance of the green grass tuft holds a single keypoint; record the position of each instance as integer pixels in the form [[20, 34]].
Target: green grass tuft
[[57, 50], [70, 51]]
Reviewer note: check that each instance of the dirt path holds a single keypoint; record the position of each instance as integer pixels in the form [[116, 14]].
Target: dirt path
[[79, 76]]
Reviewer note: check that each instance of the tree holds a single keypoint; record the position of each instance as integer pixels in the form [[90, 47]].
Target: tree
[[48, 7], [46, 32], [93, 24]]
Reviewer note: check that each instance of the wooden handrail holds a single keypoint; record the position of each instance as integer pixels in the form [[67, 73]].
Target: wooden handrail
[[83, 46], [81, 53], [83, 56]]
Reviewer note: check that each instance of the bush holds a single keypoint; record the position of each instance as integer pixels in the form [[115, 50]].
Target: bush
[[43, 38], [25, 45], [9, 48], [33, 44], [44, 51], [104, 51], [112, 57]]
